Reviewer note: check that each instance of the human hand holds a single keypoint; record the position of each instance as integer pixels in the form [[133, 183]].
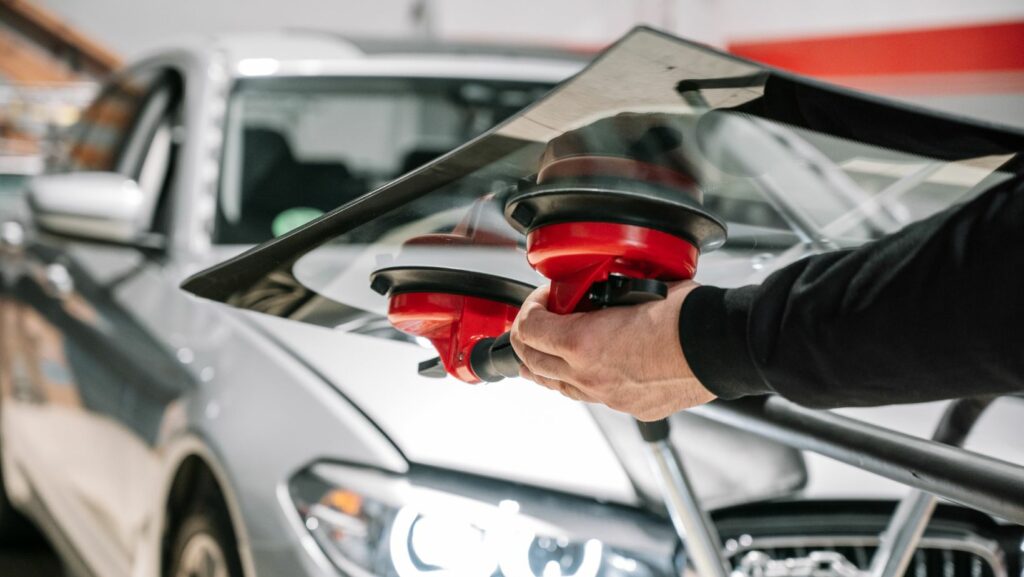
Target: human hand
[[628, 358]]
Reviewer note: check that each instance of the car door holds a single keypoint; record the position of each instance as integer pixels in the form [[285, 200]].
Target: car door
[[73, 354]]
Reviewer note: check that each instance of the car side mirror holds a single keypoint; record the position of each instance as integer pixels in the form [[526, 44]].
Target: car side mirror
[[99, 206]]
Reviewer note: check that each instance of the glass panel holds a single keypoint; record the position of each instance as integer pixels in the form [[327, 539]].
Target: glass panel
[[103, 129], [298, 147], [790, 166]]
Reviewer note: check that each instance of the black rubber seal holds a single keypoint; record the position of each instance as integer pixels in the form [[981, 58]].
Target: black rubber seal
[[393, 281]]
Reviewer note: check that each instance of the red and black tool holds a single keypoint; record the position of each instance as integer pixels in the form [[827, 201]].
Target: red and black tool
[[454, 309], [614, 215]]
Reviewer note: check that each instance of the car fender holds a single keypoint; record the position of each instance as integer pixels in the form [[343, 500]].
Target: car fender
[[148, 563]]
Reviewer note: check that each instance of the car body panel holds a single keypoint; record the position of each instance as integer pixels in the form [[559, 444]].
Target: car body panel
[[506, 430]]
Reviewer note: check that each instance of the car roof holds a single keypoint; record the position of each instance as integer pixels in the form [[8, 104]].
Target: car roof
[[310, 52]]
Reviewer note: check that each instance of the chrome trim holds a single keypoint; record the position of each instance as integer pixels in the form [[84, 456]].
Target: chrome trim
[[986, 549], [430, 66]]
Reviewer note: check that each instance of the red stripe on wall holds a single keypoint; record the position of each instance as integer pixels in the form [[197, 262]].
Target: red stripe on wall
[[987, 47]]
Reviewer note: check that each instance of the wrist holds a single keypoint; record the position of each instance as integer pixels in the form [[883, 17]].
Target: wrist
[[713, 338]]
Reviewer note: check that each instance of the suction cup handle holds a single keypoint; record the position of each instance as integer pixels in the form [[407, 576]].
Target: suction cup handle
[[621, 290], [494, 359]]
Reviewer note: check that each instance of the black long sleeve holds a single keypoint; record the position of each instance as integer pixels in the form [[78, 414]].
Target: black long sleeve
[[931, 312]]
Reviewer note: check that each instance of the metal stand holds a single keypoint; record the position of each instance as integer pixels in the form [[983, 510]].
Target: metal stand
[[691, 521], [704, 547], [903, 534]]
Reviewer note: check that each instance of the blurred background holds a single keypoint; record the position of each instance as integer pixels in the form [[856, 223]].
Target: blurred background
[[962, 56]]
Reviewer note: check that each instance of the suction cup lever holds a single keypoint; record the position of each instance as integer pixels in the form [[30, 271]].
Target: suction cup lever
[[621, 290], [432, 368]]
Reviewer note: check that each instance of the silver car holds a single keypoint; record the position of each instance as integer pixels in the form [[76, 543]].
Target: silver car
[[146, 430], [150, 432]]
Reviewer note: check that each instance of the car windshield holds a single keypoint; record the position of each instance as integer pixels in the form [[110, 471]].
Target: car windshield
[[298, 147], [791, 166]]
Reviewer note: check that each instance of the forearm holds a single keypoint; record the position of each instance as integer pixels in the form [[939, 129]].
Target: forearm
[[934, 311]]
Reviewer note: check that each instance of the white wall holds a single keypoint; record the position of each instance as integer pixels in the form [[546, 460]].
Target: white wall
[[586, 23], [133, 26]]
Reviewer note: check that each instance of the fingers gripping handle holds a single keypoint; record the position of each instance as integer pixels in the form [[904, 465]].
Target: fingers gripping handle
[[494, 359]]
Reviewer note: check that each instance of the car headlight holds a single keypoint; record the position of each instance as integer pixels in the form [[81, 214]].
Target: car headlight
[[436, 524]]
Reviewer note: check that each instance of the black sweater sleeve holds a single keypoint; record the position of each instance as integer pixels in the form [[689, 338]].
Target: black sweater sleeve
[[934, 311]]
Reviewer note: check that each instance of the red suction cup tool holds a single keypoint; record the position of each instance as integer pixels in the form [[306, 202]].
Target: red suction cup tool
[[454, 309], [615, 214]]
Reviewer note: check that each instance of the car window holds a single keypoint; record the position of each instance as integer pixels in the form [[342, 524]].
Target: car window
[[129, 129], [154, 118], [299, 147], [152, 148], [156, 167], [101, 133]]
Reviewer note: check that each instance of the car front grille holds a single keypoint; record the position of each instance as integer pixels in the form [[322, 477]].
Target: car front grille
[[966, 556]]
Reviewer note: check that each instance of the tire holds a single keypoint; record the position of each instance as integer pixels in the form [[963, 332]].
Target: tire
[[204, 545]]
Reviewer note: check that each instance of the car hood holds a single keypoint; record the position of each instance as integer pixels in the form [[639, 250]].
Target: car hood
[[523, 433]]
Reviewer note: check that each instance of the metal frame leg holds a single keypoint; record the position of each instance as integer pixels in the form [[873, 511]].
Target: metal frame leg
[[691, 521]]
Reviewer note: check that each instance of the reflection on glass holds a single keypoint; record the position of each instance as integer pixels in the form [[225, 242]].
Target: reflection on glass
[[791, 166], [298, 147]]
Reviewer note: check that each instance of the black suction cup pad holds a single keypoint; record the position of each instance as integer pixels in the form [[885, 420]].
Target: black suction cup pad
[[410, 279], [615, 200]]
